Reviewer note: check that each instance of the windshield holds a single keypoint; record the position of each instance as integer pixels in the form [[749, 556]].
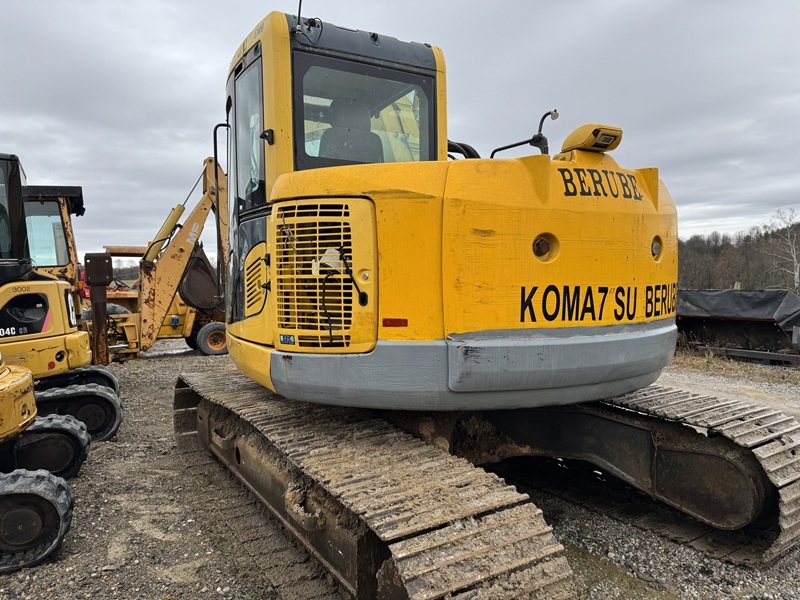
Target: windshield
[[47, 240], [348, 112], [5, 223]]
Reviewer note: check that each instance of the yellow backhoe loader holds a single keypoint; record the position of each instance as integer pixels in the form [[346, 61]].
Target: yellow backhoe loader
[[493, 307], [175, 295], [38, 321]]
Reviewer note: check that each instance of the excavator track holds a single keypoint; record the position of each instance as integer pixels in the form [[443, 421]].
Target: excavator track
[[35, 515], [387, 514], [97, 406], [773, 439], [97, 374], [56, 443], [766, 444]]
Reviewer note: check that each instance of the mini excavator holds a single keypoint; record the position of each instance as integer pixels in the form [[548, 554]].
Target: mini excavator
[[38, 318]]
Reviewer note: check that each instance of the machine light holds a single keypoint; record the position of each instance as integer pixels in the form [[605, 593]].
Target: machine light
[[594, 138]]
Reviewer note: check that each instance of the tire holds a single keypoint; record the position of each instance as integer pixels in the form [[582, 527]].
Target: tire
[[211, 339], [191, 341]]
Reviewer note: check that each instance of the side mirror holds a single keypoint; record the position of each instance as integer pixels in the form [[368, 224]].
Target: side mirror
[[537, 140]]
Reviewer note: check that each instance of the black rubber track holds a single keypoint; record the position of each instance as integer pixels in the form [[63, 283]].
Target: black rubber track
[[97, 406], [33, 493], [97, 374], [56, 443]]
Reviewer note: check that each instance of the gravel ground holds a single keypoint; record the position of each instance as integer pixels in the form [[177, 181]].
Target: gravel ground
[[146, 526]]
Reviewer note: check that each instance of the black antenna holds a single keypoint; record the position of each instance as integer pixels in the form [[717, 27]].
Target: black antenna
[[299, 28]]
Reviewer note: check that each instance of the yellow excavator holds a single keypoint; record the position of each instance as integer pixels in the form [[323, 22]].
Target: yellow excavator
[[36, 453], [492, 307], [176, 293], [38, 320]]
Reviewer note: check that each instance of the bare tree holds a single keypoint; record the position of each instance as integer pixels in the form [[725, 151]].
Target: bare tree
[[783, 229]]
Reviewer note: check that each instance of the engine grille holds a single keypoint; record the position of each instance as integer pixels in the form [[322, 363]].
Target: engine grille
[[314, 293]]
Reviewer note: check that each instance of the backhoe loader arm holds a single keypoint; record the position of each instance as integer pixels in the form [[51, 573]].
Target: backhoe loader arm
[[160, 272]]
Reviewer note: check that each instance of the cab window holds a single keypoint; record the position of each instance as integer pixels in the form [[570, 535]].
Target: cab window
[[250, 187], [47, 240], [350, 113]]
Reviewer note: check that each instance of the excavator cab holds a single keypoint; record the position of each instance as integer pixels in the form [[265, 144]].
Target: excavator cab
[[14, 258], [38, 320], [48, 216]]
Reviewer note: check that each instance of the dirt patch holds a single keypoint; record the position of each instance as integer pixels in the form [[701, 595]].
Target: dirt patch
[[690, 360]]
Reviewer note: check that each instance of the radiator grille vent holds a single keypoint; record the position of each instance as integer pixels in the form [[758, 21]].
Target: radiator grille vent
[[314, 293]]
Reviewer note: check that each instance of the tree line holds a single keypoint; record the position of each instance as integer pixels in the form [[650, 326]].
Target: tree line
[[765, 256], [127, 269]]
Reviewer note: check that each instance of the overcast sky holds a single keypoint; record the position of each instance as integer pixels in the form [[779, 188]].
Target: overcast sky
[[121, 97]]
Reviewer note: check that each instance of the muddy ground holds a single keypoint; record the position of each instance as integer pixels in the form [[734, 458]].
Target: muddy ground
[[147, 525]]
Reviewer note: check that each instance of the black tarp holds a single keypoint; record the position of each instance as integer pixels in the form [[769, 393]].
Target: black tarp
[[761, 320], [779, 306]]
